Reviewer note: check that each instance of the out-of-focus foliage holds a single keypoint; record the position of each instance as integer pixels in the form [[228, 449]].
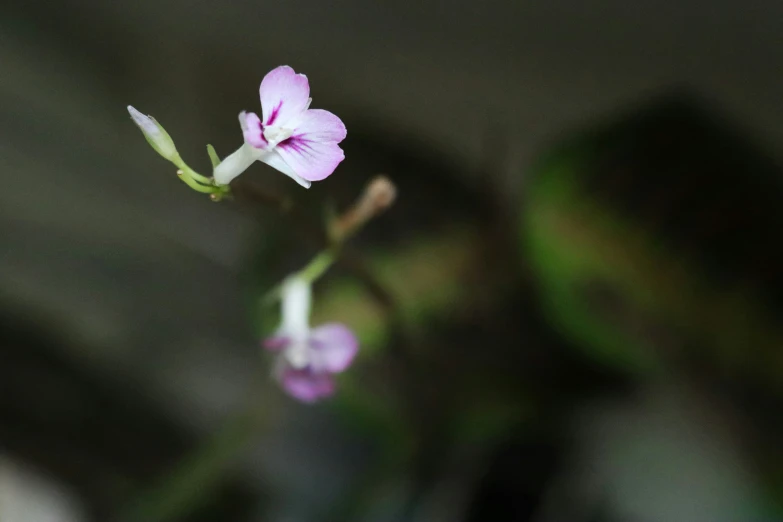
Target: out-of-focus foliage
[[660, 234], [618, 364], [656, 244]]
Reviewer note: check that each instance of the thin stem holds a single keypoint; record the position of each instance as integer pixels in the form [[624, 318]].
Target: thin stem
[[188, 484], [310, 273], [319, 265], [198, 177], [185, 168], [198, 187], [379, 194]]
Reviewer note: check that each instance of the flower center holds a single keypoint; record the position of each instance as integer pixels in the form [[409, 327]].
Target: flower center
[[298, 355], [274, 135]]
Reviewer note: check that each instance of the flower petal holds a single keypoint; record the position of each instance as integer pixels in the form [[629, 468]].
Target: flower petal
[[306, 385], [284, 95], [252, 130], [335, 346], [311, 161], [320, 125], [235, 164], [276, 343], [274, 160], [312, 151]]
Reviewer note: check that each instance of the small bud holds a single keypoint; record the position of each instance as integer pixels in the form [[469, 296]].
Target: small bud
[[378, 195], [156, 135]]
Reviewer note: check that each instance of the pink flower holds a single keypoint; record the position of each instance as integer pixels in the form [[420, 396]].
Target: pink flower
[[308, 358], [300, 142]]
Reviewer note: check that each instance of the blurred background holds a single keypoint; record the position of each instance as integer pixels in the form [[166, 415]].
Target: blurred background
[[571, 314]]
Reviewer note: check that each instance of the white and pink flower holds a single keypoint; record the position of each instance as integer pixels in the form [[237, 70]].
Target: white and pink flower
[[300, 142], [308, 358]]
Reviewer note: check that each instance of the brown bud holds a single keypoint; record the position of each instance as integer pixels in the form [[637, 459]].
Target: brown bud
[[378, 195]]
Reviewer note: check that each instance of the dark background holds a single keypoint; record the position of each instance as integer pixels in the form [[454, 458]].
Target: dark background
[[129, 334]]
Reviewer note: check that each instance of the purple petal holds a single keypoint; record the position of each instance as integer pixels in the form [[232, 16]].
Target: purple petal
[[312, 152], [274, 160], [252, 130], [335, 346], [320, 125], [276, 343], [284, 95], [311, 161], [306, 385]]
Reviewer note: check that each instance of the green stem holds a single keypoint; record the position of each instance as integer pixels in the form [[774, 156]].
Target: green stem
[[185, 168], [310, 273], [189, 484], [319, 265], [198, 187], [198, 177]]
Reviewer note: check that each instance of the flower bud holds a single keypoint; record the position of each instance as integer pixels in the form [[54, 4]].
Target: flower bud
[[378, 195], [156, 135]]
